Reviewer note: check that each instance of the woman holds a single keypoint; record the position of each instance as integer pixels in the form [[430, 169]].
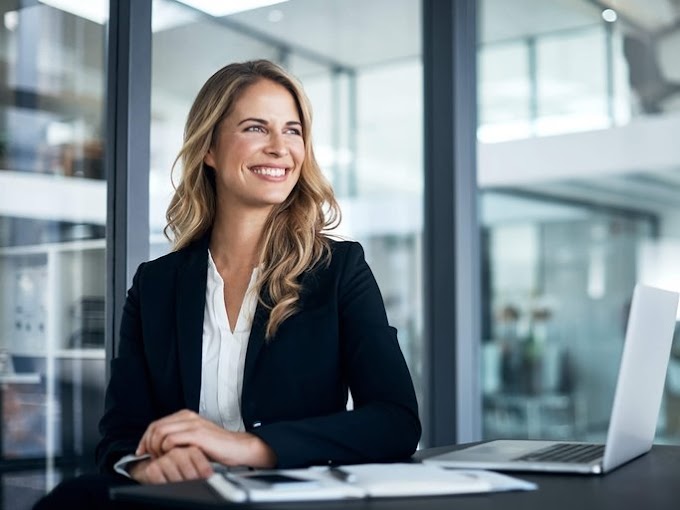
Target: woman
[[239, 347]]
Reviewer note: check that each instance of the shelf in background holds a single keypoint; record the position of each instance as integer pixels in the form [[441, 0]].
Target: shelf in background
[[20, 378], [66, 246], [97, 353]]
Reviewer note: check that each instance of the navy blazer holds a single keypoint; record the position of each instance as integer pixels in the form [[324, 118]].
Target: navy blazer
[[294, 387]]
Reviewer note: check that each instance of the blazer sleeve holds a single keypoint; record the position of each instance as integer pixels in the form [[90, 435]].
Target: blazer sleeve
[[384, 423], [128, 403]]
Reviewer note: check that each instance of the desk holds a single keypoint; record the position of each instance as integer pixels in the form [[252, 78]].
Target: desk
[[649, 482]]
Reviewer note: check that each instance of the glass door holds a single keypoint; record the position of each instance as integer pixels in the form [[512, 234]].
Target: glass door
[[52, 230], [578, 183]]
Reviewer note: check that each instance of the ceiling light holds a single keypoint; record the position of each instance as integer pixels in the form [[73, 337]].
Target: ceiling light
[[94, 10], [165, 14], [609, 15], [219, 8], [11, 19]]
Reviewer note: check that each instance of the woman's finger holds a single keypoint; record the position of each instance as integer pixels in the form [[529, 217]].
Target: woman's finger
[[178, 465], [170, 468], [201, 433], [201, 462], [184, 423], [193, 463], [146, 442], [153, 473], [185, 464], [185, 437]]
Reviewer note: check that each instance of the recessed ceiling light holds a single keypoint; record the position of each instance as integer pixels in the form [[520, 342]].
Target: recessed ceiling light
[[165, 14], [219, 8], [97, 11], [11, 19], [609, 15]]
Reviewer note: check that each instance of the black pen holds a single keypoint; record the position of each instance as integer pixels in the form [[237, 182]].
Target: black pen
[[342, 475]]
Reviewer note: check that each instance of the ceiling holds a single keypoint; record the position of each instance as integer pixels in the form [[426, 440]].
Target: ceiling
[[656, 192], [503, 20], [353, 33], [360, 33]]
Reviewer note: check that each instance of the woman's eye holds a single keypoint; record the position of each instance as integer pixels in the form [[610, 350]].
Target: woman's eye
[[255, 129], [293, 131]]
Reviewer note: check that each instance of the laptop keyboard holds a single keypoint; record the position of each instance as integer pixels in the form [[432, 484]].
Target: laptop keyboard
[[565, 452]]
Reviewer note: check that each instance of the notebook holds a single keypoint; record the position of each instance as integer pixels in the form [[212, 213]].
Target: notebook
[[320, 483], [359, 481], [634, 415]]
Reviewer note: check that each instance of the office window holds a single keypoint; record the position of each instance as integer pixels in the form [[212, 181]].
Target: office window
[[574, 212], [504, 91], [52, 232], [360, 64], [572, 90]]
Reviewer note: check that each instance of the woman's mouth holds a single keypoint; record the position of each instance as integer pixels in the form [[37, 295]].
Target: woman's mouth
[[269, 173]]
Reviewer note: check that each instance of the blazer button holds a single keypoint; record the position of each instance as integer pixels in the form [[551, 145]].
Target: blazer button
[[256, 424]]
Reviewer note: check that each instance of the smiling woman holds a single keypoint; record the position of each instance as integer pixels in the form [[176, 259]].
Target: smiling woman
[[243, 120], [258, 150], [242, 344]]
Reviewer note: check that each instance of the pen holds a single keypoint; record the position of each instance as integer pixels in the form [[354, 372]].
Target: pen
[[342, 475]]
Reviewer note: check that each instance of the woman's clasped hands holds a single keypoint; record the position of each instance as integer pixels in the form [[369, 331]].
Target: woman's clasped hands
[[183, 445]]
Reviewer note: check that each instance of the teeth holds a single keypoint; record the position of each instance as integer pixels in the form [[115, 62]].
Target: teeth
[[273, 172]]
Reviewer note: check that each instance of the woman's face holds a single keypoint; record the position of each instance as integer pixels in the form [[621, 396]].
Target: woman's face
[[259, 149]]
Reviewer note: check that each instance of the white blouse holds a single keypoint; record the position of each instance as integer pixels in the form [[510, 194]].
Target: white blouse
[[223, 357], [224, 352]]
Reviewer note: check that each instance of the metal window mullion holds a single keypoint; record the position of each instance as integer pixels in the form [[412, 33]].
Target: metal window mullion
[[128, 121], [452, 274]]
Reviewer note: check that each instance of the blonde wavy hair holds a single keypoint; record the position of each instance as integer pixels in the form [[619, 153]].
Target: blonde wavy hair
[[293, 239]]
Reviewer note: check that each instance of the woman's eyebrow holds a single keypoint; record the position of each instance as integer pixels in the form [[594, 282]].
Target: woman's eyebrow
[[253, 119], [262, 121]]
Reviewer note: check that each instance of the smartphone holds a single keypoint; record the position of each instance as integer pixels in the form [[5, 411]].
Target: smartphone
[[275, 481]]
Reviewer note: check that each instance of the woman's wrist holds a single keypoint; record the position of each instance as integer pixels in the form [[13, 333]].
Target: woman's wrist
[[262, 455]]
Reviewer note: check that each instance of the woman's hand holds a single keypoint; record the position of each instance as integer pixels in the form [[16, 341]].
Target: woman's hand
[[187, 428], [184, 463]]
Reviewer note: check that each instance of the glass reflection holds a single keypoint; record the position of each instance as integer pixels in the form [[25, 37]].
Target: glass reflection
[[578, 204], [52, 221]]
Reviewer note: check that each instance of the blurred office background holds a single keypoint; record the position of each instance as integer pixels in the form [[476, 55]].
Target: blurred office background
[[578, 194]]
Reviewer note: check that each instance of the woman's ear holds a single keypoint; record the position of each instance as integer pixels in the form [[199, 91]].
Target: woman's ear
[[209, 159]]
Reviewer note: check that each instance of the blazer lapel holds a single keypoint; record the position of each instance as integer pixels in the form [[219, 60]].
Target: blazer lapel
[[255, 343], [190, 299], [257, 340]]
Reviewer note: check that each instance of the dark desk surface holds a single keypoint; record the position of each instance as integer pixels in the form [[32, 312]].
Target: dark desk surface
[[649, 482]]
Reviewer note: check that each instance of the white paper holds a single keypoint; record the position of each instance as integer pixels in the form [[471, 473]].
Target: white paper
[[393, 480], [374, 481]]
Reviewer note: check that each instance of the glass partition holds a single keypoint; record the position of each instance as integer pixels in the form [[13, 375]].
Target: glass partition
[[574, 210], [52, 232]]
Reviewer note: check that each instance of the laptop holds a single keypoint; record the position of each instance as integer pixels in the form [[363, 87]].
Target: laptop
[[634, 415]]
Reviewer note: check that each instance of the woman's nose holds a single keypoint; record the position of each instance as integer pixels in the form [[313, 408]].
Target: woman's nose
[[277, 145]]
